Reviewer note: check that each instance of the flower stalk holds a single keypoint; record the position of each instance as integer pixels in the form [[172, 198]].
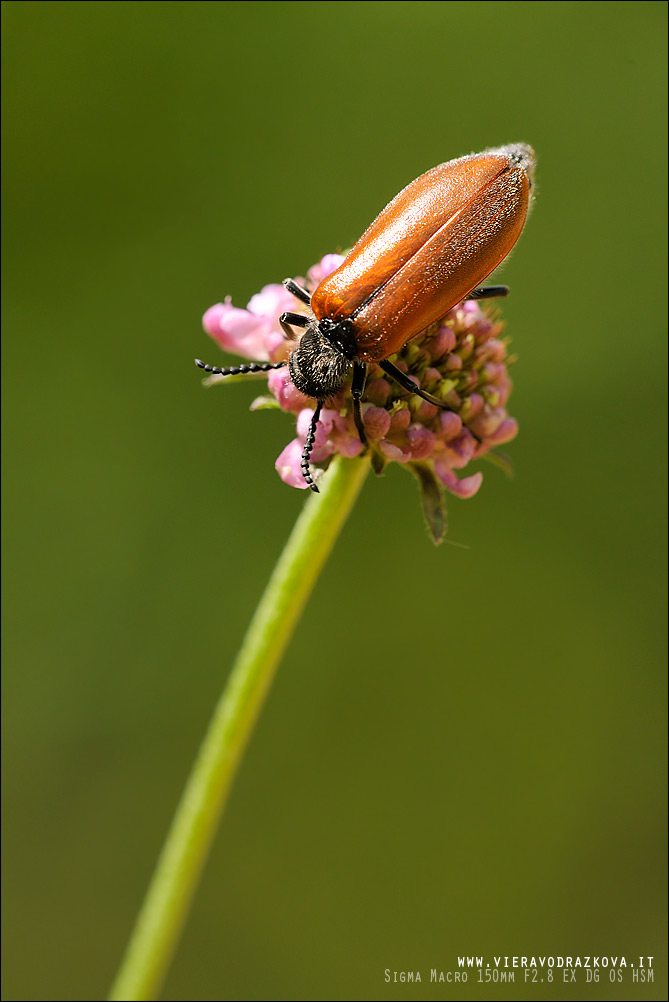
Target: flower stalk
[[184, 854]]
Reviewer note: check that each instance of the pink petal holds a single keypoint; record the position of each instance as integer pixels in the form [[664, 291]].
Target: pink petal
[[504, 387], [284, 389], [451, 425], [278, 346], [421, 441], [322, 445], [459, 451], [325, 267], [288, 465], [475, 320], [237, 331], [494, 371], [271, 302], [401, 420], [393, 452], [465, 488], [475, 404], [442, 342], [377, 391], [344, 437], [426, 411], [506, 431], [211, 321], [488, 421], [496, 350], [348, 445], [377, 422]]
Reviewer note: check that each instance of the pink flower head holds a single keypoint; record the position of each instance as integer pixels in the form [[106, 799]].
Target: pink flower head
[[462, 360]]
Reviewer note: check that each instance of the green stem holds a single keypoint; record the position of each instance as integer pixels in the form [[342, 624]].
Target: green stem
[[171, 891]]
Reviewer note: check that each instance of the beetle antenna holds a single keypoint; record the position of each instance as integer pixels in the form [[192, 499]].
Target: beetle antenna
[[239, 370], [308, 446]]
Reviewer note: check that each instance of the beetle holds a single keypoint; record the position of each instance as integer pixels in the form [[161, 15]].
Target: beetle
[[430, 248]]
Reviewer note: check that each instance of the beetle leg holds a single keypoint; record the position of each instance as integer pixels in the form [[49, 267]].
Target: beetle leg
[[407, 383], [239, 370], [308, 446], [489, 292], [357, 390], [294, 319], [297, 290]]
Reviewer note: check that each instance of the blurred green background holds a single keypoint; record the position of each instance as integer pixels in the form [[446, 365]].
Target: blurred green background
[[463, 752]]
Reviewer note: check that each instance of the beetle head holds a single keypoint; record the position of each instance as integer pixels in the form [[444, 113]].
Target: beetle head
[[318, 365]]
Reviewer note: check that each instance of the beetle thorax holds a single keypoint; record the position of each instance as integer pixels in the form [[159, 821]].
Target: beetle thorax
[[317, 367]]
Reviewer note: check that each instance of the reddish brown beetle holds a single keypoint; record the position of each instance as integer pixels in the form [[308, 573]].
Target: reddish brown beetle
[[428, 250]]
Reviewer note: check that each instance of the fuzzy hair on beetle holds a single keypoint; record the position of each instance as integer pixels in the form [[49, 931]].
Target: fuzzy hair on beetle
[[429, 249]]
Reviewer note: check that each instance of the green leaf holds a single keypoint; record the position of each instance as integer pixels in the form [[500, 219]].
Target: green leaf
[[432, 497], [242, 377], [378, 462], [265, 404], [500, 460]]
